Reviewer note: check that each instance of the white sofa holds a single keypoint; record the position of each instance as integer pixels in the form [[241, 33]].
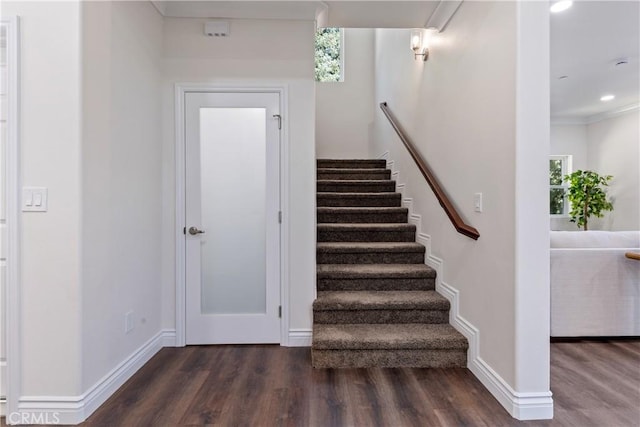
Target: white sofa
[[595, 289]]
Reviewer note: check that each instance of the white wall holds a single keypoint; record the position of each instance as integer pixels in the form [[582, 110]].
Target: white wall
[[256, 52], [570, 139], [614, 149], [121, 181], [50, 157], [90, 108], [460, 107], [344, 110], [453, 121], [531, 398]]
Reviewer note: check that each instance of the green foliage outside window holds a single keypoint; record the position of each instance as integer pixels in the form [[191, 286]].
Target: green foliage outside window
[[328, 61], [556, 195]]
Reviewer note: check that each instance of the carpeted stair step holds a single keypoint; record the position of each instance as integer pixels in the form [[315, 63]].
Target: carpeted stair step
[[359, 199], [380, 307], [366, 233], [375, 277], [351, 163], [355, 186], [376, 305], [369, 253], [387, 345], [362, 215], [351, 174]]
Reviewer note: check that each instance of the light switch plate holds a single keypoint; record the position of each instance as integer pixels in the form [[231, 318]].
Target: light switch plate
[[34, 199], [477, 202]]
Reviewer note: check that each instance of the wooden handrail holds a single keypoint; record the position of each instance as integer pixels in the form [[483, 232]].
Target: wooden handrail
[[633, 255], [446, 204]]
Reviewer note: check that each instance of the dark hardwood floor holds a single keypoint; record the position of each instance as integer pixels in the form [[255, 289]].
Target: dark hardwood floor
[[594, 384]]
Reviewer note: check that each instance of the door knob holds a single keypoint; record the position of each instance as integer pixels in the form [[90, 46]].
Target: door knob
[[194, 230]]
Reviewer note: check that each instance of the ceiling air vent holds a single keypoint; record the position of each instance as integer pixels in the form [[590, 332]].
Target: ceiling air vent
[[216, 28]]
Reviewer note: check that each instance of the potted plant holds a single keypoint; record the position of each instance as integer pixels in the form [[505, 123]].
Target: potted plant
[[587, 196]]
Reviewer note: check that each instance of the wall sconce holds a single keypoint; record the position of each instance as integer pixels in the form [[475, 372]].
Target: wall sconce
[[420, 42]]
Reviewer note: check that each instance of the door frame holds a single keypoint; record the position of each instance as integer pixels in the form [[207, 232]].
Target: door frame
[[12, 302], [181, 90]]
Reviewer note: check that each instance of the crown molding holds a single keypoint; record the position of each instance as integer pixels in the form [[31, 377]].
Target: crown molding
[[587, 120], [160, 6], [442, 14], [613, 113]]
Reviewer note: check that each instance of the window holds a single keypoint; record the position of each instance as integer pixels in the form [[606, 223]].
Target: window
[[559, 166], [329, 55]]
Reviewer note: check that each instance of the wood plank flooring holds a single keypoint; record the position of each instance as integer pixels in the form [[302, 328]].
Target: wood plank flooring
[[594, 384]]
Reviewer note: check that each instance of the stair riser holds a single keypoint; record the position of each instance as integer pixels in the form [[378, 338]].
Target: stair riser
[[380, 316], [351, 164], [361, 202], [349, 187], [371, 258], [376, 284], [389, 358], [362, 217], [382, 174], [366, 236]]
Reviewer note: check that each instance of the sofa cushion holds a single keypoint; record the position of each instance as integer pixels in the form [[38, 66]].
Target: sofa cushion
[[595, 239]]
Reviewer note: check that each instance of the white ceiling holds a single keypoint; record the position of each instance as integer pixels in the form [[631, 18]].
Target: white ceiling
[[586, 42], [302, 10], [348, 14]]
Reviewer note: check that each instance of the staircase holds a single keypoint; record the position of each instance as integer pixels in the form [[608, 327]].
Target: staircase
[[377, 305]]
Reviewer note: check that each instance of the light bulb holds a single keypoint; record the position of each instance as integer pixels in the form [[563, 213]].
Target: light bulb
[[415, 42], [560, 6]]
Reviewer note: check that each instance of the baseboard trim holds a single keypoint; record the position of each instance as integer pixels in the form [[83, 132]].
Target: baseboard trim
[[522, 406], [3, 399], [168, 338], [300, 337], [76, 409]]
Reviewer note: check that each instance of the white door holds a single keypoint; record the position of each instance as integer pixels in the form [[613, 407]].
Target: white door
[[232, 194]]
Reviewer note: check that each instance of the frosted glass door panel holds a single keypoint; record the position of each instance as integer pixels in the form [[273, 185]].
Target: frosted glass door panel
[[233, 195]]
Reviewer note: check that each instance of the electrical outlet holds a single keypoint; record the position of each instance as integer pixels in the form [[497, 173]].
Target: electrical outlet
[[128, 322]]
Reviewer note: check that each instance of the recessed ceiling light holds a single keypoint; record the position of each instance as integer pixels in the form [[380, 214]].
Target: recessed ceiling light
[[607, 98], [559, 6]]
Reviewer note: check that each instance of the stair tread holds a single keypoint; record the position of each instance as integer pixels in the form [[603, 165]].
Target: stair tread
[[333, 195], [359, 247], [362, 209], [353, 170], [365, 226], [387, 336], [369, 271], [354, 161], [329, 159], [376, 300], [355, 181]]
